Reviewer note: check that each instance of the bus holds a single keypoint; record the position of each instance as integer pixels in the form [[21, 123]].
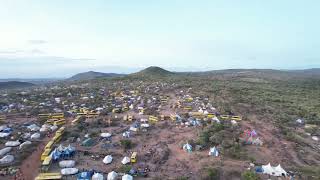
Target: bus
[[59, 122], [211, 115], [46, 164], [153, 119], [236, 118], [45, 154], [134, 157], [57, 138], [49, 145], [224, 117], [48, 176], [60, 130]]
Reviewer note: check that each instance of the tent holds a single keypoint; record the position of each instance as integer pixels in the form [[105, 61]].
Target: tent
[[267, 169], [112, 175], [87, 142], [125, 160], [107, 159], [127, 177], [7, 159], [126, 134], [257, 142], [215, 119], [279, 171], [86, 175], [105, 135], [97, 176], [213, 152], [187, 147], [274, 171]]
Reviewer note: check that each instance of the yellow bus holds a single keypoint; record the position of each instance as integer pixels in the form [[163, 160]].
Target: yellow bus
[[48, 176], [224, 117], [46, 164], [187, 108], [57, 138], [49, 145], [51, 121], [45, 154], [211, 115], [60, 130], [134, 157], [236, 118], [75, 121], [153, 119], [59, 122], [197, 114], [44, 115]]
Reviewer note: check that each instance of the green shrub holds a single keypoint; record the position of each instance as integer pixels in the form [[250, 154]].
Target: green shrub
[[126, 144], [249, 175]]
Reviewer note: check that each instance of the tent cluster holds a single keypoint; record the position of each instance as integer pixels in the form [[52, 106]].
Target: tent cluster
[[251, 137], [63, 152]]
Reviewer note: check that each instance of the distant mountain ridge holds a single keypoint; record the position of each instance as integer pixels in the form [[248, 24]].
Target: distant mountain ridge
[[154, 71], [15, 85], [93, 75]]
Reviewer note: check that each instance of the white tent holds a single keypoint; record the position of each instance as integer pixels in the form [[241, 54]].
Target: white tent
[[107, 159], [127, 177], [187, 147], [6, 159], [24, 144], [267, 169], [279, 171], [125, 160], [213, 152], [12, 143], [274, 171], [112, 175], [215, 119], [5, 151], [105, 135], [97, 176]]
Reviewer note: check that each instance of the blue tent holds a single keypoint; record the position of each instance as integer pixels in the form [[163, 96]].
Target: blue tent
[[86, 175], [7, 130]]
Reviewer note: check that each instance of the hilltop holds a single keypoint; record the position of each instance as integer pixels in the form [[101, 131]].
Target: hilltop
[[14, 85], [153, 71], [93, 75]]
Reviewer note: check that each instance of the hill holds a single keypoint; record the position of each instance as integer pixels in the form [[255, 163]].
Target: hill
[[153, 71], [92, 75], [15, 85]]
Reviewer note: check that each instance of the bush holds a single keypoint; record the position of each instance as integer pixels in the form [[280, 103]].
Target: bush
[[126, 144], [248, 175], [212, 174]]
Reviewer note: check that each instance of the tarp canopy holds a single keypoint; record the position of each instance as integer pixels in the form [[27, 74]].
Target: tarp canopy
[[125, 160], [112, 175], [6, 159], [84, 175], [107, 159], [213, 152], [127, 177], [187, 147], [97, 176]]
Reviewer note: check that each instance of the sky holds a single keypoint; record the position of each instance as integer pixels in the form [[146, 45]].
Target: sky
[[46, 39]]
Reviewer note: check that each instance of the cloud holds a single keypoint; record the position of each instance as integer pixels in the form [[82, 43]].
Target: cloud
[[37, 41]]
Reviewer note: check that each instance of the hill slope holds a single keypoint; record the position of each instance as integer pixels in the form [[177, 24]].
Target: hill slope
[[153, 71], [14, 85], [92, 75]]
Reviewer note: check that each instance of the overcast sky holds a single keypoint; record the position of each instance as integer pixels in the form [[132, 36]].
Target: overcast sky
[[57, 38]]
